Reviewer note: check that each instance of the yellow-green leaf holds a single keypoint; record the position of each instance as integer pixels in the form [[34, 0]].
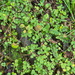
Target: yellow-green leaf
[[14, 45]]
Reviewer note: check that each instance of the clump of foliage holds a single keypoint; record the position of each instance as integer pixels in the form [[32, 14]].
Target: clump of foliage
[[70, 5], [45, 24]]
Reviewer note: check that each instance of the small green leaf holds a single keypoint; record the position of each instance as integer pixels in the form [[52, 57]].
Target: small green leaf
[[47, 5], [14, 45], [0, 30]]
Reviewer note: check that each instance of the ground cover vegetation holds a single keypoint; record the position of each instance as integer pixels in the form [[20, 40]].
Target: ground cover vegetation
[[37, 37]]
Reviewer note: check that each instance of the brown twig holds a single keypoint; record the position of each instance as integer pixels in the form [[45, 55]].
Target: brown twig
[[52, 41], [7, 57], [2, 5], [72, 59]]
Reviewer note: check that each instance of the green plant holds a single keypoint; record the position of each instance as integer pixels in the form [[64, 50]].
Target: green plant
[[36, 38]]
